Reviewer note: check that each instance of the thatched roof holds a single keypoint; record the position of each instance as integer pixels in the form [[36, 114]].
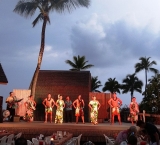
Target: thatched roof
[[3, 78]]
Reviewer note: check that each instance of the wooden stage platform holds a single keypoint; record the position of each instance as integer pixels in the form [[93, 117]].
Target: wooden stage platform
[[89, 132]]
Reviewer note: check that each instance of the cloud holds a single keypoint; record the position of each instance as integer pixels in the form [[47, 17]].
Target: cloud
[[110, 44]]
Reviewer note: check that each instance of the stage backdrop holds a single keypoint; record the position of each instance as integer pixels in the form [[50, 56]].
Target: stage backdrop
[[71, 83], [104, 111], [21, 109]]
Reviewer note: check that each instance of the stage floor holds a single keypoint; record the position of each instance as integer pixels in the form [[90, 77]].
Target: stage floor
[[90, 132]]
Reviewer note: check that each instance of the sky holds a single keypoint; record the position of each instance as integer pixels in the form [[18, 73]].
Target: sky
[[111, 34]]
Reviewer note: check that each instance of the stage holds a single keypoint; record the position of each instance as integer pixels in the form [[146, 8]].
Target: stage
[[90, 132]]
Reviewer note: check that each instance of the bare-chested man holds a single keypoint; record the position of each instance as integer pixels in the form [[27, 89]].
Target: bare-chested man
[[115, 103], [78, 104], [48, 104]]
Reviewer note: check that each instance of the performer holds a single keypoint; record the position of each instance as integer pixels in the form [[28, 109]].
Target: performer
[[78, 104], [68, 109], [115, 103], [48, 104], [134, 110], [59, 112], [11, 105], [94, 105], [30, 106]]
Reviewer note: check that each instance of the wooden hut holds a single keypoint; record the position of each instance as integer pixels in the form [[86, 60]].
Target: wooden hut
[[3, 78]]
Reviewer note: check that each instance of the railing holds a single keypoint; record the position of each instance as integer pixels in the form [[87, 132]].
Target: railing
[[144, 115]]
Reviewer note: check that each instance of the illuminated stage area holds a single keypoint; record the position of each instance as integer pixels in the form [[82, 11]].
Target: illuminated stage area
[[90, 132]]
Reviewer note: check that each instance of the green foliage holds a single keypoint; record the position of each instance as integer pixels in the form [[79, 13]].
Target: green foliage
[[152, 98], [146, 65], [79, 63], [112, 86], [131, 83], [95, 84]]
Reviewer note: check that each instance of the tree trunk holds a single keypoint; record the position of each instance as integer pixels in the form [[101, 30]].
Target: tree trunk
[[146, 81], [35, 76], [131, 95]]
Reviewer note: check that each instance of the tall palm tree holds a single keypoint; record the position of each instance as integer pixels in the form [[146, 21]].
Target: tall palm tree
[[79, 63], [95, 84], [145, 64], [112, 86], [28, 8], [131, 83]]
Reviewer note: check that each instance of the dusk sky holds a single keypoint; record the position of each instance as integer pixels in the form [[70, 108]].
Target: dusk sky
[[111, 34]]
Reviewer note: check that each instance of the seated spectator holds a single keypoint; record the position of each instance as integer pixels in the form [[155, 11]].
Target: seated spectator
[[143, 135], [123, 135], [21, 141], [132, 140], [152, 131]]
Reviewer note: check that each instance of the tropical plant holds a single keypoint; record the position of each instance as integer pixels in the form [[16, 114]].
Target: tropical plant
[[152, 98], [112, 86], [145, 64], [95, 84], [28, 8], [79, 63], [130, 84]]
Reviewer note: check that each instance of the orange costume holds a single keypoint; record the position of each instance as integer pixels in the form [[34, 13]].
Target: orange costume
[[115, 104]]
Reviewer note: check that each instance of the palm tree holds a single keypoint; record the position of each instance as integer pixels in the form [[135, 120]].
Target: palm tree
[[131, 83], [28, 8], [146, 65], [79, 63], [112, 86], [95, 84]]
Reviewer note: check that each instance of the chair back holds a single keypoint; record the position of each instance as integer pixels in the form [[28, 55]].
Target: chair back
[[10, 139], [72, 141], [108, 140], [3, 140], [29, 142], [47, 139], [35, 141], [79, 139], [18, 135]]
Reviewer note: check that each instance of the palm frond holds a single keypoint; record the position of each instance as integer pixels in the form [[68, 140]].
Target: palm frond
[[112, 86], [26, 8], [69, 5], [79, 63], [39, 18], [154, 70], [95, 84], [71, 63]]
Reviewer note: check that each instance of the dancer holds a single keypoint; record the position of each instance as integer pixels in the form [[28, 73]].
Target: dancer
[[68, 109], [59, 112], [94, 105], [12, 105], [48, 104], [78, 104], [115, 104], [30, 106], [134, 110]]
